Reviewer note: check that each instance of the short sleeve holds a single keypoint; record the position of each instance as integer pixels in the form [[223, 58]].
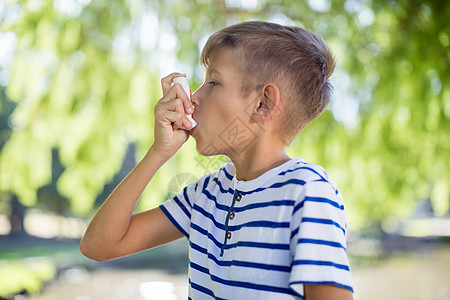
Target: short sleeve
[[318, 244], [178, 209]]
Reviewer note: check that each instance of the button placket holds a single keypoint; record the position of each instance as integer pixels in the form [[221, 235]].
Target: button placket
[[230, 216]]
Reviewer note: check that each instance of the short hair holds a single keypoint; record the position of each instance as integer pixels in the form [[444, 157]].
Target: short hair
[[295, 59]]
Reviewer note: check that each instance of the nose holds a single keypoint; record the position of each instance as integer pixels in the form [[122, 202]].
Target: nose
[[196, 97]]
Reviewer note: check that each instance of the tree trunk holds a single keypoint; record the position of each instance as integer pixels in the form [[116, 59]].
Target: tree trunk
[[16, 218]]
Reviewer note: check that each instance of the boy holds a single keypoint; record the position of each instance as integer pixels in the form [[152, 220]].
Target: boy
[[264, 226]]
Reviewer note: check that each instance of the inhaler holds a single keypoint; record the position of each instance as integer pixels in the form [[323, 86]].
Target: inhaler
[[184, 83]]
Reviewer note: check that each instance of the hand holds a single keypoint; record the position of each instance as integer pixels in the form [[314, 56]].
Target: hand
[[170, 115]]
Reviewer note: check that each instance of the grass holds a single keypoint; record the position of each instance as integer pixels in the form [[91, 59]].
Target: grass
[[27, 263]]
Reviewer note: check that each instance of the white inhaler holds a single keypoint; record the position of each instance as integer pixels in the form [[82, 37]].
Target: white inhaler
[[184, 83]]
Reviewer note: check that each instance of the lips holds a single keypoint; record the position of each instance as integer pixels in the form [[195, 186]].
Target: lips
[[192, 130]]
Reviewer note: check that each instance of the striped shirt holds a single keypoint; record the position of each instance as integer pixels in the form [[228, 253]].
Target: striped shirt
[[263, 238]]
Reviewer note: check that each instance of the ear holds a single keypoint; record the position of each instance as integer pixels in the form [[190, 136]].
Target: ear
[[268, 103]]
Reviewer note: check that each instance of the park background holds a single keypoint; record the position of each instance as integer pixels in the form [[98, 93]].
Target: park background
[[78, 82]]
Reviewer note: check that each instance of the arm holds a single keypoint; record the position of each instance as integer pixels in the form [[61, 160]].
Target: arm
[[115, 231], [326, 292]]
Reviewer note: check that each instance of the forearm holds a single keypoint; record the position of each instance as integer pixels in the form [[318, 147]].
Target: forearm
[[111, 222]]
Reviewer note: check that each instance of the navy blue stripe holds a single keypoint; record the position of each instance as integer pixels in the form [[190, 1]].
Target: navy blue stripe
[[304, 168], [258, 245], [327, 181], [205, 232], [182, 206], [276, 185], [293, 169], [269, 224], [323, 221], [198, 248], [213, 198], [294, 232], [318, 200], [246, 264], [323, 178], [324, 200], [320, 263], [266, 204], [205, 182], [228, 175], [209, 195], [242, 284], [298, 206], [186, 197], [290, 181], [222, 189], [199, 268], [203, 290], [173, 221], [209, 216], [320, 242], [324, 282]]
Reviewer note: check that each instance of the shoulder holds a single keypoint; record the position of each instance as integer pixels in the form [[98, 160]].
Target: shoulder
[[314, 181], [304, 170], [306, 173]]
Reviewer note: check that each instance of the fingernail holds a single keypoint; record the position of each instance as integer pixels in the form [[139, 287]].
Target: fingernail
[[190, 109], [188, 124]]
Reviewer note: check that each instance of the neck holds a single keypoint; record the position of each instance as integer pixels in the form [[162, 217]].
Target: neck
[[258, 159]]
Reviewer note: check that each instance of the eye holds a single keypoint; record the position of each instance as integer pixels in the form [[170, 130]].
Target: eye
[[212, 83]]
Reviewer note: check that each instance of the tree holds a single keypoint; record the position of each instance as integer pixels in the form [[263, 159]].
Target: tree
[[85, 78]]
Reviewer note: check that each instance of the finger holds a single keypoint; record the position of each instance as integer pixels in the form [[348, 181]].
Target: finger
[[177, 92], [173, 105], [166, 82], [177, 120], [170, 95], [176, 105]]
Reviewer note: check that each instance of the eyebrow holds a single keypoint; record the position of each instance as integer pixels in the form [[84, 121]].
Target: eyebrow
[[212, 70]]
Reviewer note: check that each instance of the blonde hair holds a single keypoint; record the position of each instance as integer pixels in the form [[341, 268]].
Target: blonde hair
[[297, 60]]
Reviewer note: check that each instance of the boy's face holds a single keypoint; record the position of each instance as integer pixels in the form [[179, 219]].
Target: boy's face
[[221, 110]]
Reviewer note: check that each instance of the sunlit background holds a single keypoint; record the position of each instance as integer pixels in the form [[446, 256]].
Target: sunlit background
[[78, 82]]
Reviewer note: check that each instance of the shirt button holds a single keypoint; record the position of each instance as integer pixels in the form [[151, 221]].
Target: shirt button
[[228, 235], [238, 197], [232, 215]]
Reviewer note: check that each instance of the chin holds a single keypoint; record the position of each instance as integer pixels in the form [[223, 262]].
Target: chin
[[205, 151], [206, 148]]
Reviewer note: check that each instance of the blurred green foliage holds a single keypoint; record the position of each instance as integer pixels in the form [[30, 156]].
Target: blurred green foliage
[[27, 265], [26, 275], [85, 77]]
